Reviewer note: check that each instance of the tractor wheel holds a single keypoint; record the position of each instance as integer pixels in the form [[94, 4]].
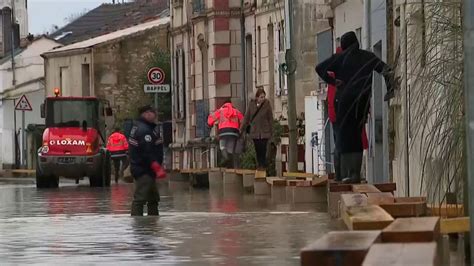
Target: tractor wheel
[[43, 181], [103, 177]]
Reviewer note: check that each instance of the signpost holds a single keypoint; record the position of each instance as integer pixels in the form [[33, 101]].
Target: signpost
[[23, 105], [156, 77]]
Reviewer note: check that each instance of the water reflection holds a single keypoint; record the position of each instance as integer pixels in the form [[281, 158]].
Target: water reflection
[[78, 224]]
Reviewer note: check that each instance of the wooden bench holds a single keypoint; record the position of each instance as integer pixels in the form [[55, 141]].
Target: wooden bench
[[245, 171], [303, 191], [365, 188], [339, 201], [261, 187], [455, 225], [335, 190], [353, 200], [370, 217], [248, 178], [259, 174], [406, 207], [446, 210], [216, 178], [232, 182], [198, 177], [378, 198], [420, 254], [412, 230], [277, 189], [298, 175], [339, 248], [386, 187], [231, 177]]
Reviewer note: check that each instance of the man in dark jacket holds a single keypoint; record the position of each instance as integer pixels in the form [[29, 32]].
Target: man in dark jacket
[[353, 69], [146, 157]]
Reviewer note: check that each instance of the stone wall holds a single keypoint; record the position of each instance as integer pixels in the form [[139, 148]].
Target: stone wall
[[120, 69]]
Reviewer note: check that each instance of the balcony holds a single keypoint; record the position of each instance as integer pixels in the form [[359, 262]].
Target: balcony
[[199, 7]]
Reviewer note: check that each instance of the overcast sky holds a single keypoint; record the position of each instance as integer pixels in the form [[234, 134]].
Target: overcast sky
[[42, 14]]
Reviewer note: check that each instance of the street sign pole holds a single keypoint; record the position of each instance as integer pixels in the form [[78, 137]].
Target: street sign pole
[[23, 105], [23, 145]]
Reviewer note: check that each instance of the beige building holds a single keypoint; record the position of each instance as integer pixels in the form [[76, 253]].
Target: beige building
[[28, 80], [207, 66], [428, 116], [112, 66], [421, 147]]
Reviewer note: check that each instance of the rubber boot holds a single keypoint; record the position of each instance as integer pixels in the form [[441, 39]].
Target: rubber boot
[[153, 209], [137, 209]]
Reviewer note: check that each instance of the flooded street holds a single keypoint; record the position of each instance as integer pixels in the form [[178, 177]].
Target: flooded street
[[79, 224]]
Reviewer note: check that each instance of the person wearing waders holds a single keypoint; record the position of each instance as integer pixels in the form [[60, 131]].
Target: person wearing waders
[[117, 145], [146, 157], [228, 119], [353, 69], [331, 94]]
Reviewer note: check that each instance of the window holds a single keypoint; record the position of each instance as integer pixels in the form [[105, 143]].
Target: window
[[72, 113], [282, 89], [198, 6], [358, 33], [86, 80], [180, 84], [63, 78], [281, 36]]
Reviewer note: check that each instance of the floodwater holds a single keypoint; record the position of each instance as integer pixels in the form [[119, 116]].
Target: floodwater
[[76, 224]]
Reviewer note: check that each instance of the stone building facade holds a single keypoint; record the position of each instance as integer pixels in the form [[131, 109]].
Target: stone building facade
[[207, 43], [111, 66]]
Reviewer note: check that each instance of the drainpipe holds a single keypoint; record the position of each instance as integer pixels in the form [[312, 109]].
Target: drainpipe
[[405, 97], [243, 56], [367, 24], [13, 44]]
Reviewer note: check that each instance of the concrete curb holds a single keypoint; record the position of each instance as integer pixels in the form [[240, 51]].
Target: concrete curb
[[17, 173]]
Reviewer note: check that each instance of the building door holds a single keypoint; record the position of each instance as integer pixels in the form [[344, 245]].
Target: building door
[[325, 50], [377, 168]]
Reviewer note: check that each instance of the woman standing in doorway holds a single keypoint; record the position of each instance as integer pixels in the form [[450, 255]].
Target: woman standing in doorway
[[258, 124]]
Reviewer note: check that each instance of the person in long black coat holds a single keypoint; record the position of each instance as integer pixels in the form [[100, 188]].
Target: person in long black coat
[[353, 68]]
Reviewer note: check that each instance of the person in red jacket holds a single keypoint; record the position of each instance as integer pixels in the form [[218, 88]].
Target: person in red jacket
[[229, 120], [117, 145]]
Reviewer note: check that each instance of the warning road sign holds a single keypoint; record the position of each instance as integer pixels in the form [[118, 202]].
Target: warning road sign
[[156, 75], [23, 104]]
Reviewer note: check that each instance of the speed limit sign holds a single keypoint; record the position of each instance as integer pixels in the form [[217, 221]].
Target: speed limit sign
[[156, 75]]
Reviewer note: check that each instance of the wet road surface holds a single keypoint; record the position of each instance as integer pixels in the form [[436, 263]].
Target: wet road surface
[[82, 225]]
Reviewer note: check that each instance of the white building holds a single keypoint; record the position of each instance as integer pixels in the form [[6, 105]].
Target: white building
[[21, 14], [29, 76]]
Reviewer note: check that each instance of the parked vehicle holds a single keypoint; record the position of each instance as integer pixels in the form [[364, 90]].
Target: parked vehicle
[[73, 141]]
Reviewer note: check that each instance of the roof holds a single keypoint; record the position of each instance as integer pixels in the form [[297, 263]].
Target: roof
[[111, 37], [109, 18]]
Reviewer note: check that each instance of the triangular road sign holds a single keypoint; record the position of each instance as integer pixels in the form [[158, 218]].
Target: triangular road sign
[[23, 104]]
